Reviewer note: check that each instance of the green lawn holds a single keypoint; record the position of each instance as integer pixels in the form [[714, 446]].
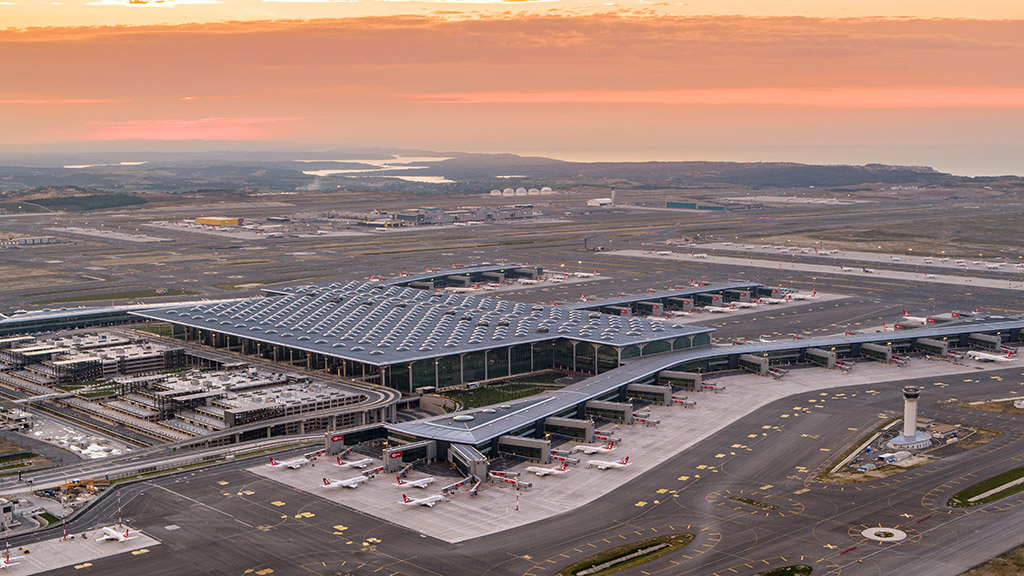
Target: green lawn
[[485, 396], [670, 543], [796, 570], [539, 378], [961, 498], [49, 518], [126, 295]]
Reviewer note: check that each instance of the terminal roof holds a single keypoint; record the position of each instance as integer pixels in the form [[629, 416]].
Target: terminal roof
[[494, 421], [380, 325], [679, 293]]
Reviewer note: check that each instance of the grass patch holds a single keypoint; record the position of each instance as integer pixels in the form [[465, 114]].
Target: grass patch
[[17, 456], [485, 396], [89, 202], [547, 377], [128, 294], [49, 518], [22, 207], [795, 570], [664, 544], [962, 498], [826, 476], [754, 503], [158, 329], [1005, 407]]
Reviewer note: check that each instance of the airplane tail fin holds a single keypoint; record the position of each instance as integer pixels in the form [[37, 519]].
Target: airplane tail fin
[[624, 460], [273, 462], [814, 293], [905, 313], [406, 499], [564, 466], [326, 482], [340, 461], [400, 481]]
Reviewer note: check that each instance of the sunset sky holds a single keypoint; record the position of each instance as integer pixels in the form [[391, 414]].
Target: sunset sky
[[936, 82]]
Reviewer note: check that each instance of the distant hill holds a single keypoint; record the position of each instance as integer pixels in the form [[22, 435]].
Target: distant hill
[[175, 172]]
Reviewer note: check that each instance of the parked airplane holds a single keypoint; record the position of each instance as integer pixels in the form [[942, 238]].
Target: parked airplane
[[527, 281], [679, 313], [663, 252], [539, 471], [846, 269], [812, 296], [594, 449], [746, 304], [427, 501], [421, 483], [719, 309], [601, 465], [914, 319], [777, 300], [350, 483], [111, 533], [293, 463], [988, 357], [355, 463], [993, 265], [700, 255]]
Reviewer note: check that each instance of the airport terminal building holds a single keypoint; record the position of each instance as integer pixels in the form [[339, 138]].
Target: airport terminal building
[[409, 339]]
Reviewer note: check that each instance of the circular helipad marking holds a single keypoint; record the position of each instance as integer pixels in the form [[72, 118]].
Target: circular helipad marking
[[881, 534]]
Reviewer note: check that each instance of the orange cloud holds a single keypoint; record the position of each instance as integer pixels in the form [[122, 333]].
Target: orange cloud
[[45, 101], [255, 128], [829, 97], [506, 81]]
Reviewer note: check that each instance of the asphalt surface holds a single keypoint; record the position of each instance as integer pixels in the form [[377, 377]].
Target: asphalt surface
[[230, 521]]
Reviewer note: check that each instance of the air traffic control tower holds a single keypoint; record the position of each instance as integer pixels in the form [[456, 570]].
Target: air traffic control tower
[[910, 439]]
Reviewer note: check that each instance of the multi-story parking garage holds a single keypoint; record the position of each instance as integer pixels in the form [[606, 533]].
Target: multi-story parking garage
[[409, 339]]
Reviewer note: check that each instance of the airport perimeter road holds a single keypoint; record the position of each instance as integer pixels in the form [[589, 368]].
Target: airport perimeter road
[[227, 521]]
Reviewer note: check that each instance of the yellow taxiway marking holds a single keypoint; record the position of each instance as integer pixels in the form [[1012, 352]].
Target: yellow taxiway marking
[[340, 527], [825, 449], [265, 571], [752, 435], [662, 490], [719, 455], [784, 416], [702, 466], [305, 515], [277, 503], [852, 429], [640, 504], [683, 478], [830, 546], [765, 487], [223, 482], [907, 515], [802, 491], [141, 551], [85, 565]]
